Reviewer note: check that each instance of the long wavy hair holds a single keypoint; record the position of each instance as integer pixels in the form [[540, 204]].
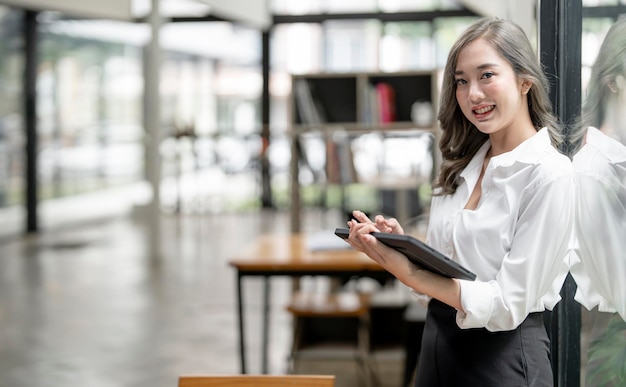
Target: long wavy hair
[[609, 64], [461, 139]]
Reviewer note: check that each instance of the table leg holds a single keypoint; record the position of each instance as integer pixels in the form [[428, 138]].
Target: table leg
[[266, 315], [242, 346], [403, 206]]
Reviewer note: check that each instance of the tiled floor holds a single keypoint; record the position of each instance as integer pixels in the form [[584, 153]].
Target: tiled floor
[[90, 305]]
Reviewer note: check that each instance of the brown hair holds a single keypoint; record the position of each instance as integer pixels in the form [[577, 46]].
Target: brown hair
[[610, 63], [461, 139]]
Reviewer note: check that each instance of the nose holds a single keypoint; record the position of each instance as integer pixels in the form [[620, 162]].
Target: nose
[[475, 92]]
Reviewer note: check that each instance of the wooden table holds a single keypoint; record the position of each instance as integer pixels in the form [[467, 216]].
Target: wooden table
[[288, 255]]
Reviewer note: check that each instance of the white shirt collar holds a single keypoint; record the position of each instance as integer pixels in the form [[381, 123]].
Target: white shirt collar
[[612, 149], [528, 152]]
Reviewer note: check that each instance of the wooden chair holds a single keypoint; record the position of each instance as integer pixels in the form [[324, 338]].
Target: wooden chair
[[256, 380], [335, 307]]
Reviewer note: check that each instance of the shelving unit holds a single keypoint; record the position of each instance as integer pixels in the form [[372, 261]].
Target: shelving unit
[[346, 105]]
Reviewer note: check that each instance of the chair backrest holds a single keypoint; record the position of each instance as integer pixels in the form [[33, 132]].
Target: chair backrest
[[256, 380]]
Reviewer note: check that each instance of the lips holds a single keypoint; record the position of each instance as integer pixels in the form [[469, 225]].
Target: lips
[[483, 110]]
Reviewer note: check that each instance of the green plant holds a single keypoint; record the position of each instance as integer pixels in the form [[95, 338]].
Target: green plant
[[607, 356]]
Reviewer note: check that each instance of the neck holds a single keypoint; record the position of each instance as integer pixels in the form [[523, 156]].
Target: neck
[[613, 124], [507, 141]]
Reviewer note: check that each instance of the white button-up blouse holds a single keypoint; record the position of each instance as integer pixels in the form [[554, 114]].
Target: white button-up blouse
[[598, 261], [516, 240]]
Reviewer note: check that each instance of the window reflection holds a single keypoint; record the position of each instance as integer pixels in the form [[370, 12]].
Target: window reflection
[[599, 265], [11, 130]]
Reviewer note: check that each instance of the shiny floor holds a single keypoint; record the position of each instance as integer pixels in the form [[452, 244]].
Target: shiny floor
[[92, 304]]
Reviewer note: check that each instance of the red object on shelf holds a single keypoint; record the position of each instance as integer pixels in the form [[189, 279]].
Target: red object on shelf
[[386, 102]]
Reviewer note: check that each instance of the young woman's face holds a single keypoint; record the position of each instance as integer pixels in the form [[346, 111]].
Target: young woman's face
[[488, 92]]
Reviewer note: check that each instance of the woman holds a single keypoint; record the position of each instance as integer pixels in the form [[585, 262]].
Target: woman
[[502, 207]]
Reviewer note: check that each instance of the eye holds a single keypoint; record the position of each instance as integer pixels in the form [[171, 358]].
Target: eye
[[488, 74], [460, 81]]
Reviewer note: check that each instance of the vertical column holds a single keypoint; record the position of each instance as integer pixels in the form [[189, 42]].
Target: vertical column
[[152, 125], [294, 193], [560, 31], [266, 187], [30, 118]]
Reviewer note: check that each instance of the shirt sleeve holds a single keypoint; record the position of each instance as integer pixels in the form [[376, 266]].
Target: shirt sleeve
[[599, 265], [535, 263]]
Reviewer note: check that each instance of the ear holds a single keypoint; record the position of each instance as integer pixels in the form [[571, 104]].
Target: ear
[[620, 82], [617, 84], [526, 85]]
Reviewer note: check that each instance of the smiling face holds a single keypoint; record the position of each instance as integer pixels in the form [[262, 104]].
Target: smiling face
[[489, 93]]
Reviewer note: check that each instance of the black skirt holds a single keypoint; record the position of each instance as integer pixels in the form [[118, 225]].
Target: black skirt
[[451, 356]]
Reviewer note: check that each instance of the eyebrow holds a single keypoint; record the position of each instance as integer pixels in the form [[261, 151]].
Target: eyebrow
[[480, 67]]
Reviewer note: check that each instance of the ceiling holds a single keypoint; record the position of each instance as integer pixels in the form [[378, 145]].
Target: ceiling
[[254, 13]]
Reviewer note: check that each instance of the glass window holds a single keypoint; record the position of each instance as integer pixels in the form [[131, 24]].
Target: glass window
[[594, 3], [301, 7], [599, 156], [90, 109], [447, 31], [11, 126], [290, 7], [351, 45], [408, 5], [594, 30], [90, 87], [297, 48], [407, 45]]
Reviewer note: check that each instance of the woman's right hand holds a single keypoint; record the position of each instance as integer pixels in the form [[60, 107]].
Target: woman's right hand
[[382, 224]]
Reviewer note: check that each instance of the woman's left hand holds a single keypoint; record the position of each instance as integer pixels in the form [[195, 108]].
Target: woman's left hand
[[422, 281], [360, 239]]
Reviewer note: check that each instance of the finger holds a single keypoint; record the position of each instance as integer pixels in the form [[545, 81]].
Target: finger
[[394, 226], [381, 223], [364, 228], [379, 219], [360, 234], [361, 217], [384, 224]]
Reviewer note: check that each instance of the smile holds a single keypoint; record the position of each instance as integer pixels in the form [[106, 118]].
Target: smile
[[484, 110]]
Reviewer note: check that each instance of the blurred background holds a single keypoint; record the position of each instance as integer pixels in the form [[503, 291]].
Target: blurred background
[[91, 161], [214, 152]]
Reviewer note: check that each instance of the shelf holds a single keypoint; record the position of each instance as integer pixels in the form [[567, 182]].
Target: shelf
[[361, 98], [339, 107], [409, 88], [357, 128], [332, 98]]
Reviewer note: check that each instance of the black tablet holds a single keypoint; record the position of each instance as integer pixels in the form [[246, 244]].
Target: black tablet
[[419, 253]]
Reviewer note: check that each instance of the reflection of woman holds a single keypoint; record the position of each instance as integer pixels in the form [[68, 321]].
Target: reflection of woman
[[502, 208], [599, 267], [599, 263]]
